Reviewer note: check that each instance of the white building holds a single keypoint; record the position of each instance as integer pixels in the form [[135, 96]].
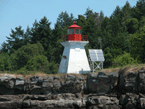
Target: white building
[[74, 58]]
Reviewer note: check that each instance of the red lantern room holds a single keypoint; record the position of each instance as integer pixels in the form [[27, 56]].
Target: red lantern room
[[74, 34]]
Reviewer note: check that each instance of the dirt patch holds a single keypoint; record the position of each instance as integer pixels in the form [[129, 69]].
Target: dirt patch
[[126, 69], [39, 75]]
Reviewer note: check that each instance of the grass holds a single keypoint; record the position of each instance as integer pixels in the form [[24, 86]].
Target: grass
[[133, 67], [40, 73]]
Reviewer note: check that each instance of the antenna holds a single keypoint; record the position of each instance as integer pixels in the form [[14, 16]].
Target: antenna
[[100, 41]]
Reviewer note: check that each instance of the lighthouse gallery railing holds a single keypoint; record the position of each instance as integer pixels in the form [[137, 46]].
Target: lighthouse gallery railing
[[83, 38]]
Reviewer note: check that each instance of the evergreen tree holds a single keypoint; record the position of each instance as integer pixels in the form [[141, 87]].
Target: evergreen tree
[[15, 41], [64, 20], [42, 32]]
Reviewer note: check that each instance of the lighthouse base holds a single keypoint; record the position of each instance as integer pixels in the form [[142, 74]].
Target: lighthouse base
[[74, 58]]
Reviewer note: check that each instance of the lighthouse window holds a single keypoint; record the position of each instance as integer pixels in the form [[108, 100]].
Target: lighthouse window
[[76, 31], [70, 31]]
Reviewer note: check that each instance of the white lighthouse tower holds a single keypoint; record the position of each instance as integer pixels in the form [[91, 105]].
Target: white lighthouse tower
[[74, 58]]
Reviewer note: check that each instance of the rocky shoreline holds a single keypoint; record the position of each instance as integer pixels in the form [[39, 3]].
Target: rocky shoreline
[[115, 90]]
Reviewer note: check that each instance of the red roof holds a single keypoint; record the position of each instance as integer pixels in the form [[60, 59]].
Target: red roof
[[75, 26]]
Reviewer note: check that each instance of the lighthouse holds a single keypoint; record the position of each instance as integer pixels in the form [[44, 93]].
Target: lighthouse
[[74, 58]]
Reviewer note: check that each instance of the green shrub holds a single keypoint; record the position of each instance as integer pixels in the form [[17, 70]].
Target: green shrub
[[53, 67], [37, 63], [24, 54], [124, 59], [5, 63]]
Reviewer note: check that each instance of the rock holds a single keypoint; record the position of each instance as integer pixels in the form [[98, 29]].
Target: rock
[[78, 95], [10, 102], [71, 77], [19, 78], [101, 73], [11, 77], [47, 85], [34, 79], [57, 77], [36, 90], [128, 100], [141, 103], [49, 79], [81, 78], [101, 83], [114, 74], [3, 79], [11, 84], [92, 76], [26, 104], [62, 83], [140, 82], [40, 79], [103, 102], [127, 82]]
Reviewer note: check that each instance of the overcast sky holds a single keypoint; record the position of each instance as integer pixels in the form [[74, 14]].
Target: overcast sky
[[24, 12]]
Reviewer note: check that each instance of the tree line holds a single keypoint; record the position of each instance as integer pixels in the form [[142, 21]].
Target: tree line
[[39, 49]]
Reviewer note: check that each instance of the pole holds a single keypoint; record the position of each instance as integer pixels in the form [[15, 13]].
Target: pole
[[93, 67]]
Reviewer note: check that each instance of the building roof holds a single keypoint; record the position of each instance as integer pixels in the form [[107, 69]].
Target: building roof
[[75, 26]]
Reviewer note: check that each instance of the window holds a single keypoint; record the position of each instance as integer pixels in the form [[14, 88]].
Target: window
[[70, 31], [76, 31]]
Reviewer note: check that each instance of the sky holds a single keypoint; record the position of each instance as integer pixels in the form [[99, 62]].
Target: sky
[[15, 13]]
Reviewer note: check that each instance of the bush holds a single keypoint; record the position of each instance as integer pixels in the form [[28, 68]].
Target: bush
[[5, 63], [25, 53], [53, 67], [37, 63], [124, 59]]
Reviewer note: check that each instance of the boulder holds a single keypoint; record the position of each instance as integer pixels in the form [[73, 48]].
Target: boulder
[[126, 82], [103, 102], [101, 82], [128, 100], [140, 82]]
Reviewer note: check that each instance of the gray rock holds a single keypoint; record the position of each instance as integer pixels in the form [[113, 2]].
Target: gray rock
[[56, 77], [100, 83], [2, 79], [20, 78], [49, 79], [81, 78], [11, 77], [104, 100], [40, 79], [36, 90], [128, 100], [101, 73], [140, 82], [141, 71], [114, 74], [141, 103], [127, 82], [47, 85], [26, 104], [92, 76], [71, 77], [11, 84], [62, 83], [56, 85], [26, 81], [34, 78], [19, 82]]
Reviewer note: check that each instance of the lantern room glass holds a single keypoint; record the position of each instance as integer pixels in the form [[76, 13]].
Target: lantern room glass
[[77, 31], [70, 31], [74, 31]]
